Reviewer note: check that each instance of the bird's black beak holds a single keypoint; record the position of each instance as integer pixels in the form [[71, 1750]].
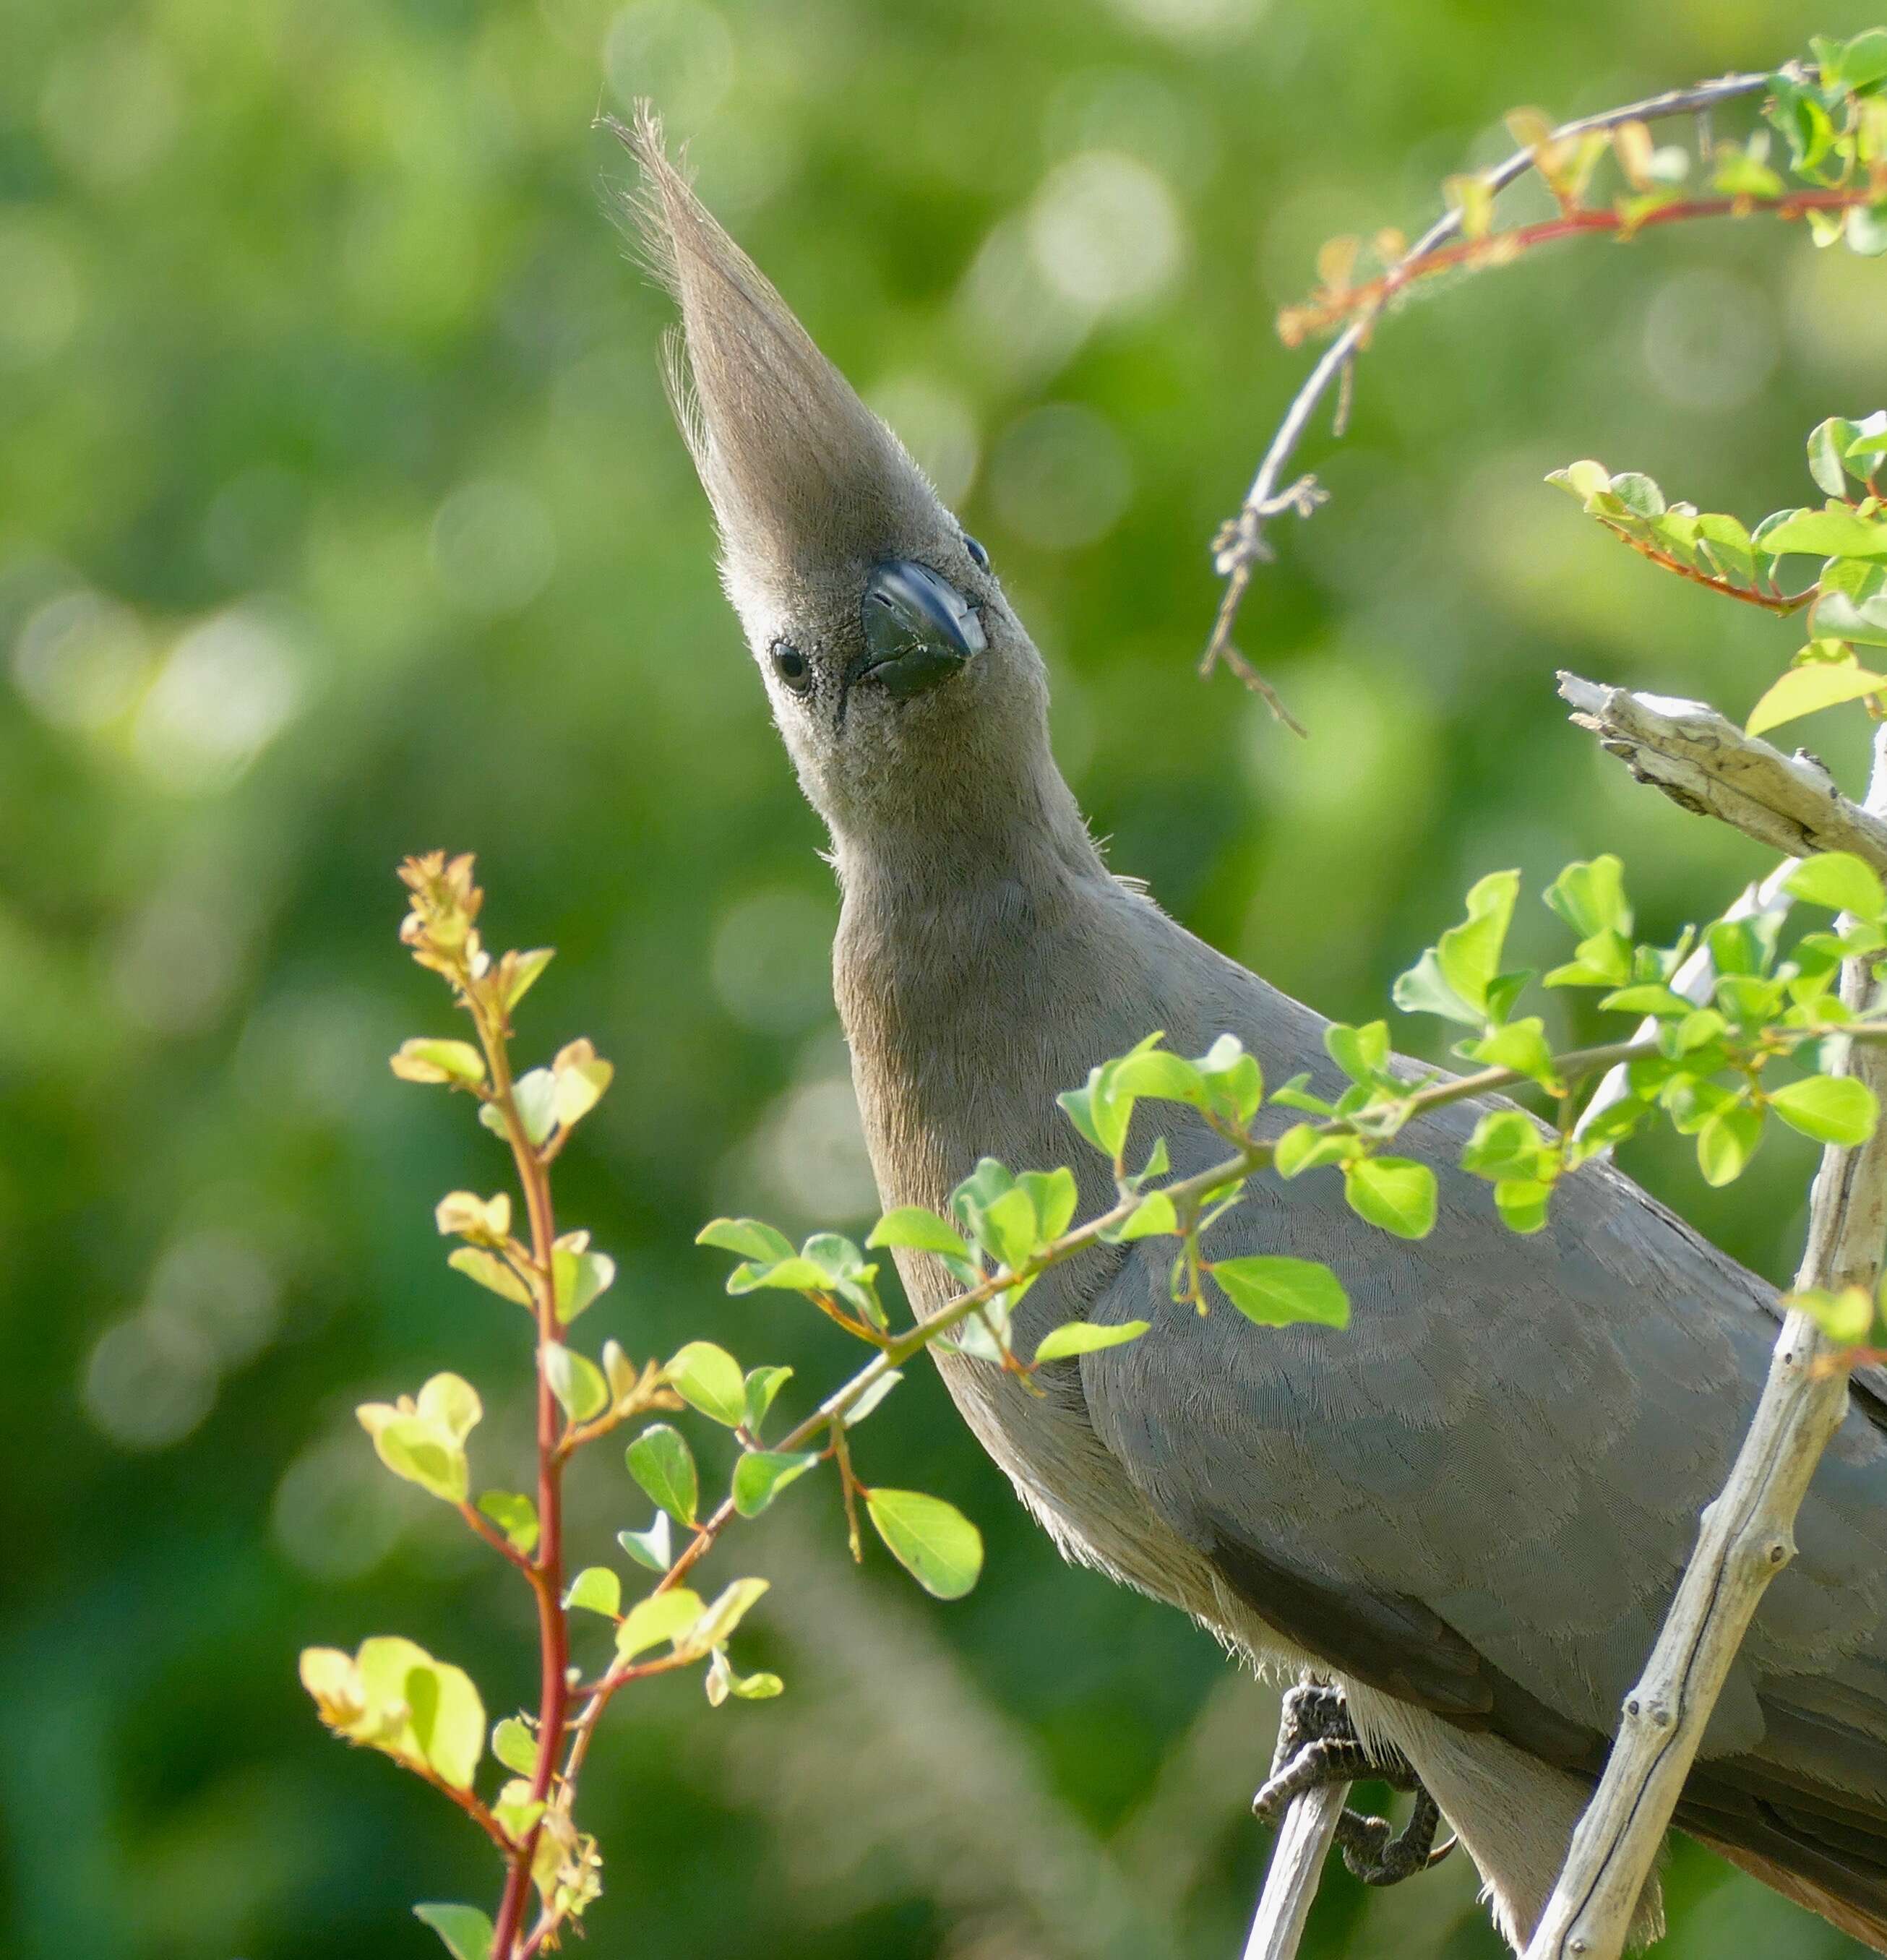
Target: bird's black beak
[[919, 629]]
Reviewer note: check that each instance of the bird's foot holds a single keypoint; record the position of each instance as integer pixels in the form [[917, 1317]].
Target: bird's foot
[[1318, 1746]]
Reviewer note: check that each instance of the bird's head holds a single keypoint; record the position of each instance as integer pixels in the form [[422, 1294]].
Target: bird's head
[[906, 690]]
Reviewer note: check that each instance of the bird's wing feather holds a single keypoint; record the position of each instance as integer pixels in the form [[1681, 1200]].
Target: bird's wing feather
[[1486, 1487]]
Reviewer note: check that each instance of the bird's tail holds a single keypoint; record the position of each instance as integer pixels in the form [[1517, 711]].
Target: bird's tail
[[1866, 1922]]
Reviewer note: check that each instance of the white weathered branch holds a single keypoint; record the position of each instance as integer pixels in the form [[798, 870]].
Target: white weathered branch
[[1704, 763], [1747, 1535], [1304, 1839]]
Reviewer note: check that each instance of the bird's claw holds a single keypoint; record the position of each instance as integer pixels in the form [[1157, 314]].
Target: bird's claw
[[1318, 1746]]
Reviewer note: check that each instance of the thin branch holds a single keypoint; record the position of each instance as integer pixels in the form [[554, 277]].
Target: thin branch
[[1304, 1840], [1705, 763], [1746, 1538], [1241, 546]]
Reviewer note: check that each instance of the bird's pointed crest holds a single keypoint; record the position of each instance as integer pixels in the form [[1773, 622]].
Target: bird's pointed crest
[[800, 472]]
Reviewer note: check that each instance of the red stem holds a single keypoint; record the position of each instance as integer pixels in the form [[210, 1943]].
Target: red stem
[[1296, 322], [545, 1571]]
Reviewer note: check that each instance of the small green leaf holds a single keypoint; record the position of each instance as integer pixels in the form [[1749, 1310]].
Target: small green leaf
[[1727, 1141], [1160, 1075], [1396, 1193], [653, 1548], [1359, 1052], [596, 1589], [1831, 1108], [1506, 1143], [579, 1276], [514, 1743], [1837, 532], [1590, 897], [761, 1474], [1086, 1337], [1522, 1203], [912, 1226], [1828, 447], [748, 1237], [576, 1381], [1153, 1217], [450, 1402], [1520, 1045], [721, 1681], [525, 968], [762, 1386], [932, 1540], [708, 1378], [660, 1461], [1847, 1318], [1468, 955], [490, 1271], [1842, 883], [435, 1061], [579, 1076], [1276, 1291], [448, 1720], [662, 1616], [464, 1931], [1303, 1146], [870, 1397], [535, 1095], [1804, 690], [719, 1619], [515, 1515], [424, 1454]]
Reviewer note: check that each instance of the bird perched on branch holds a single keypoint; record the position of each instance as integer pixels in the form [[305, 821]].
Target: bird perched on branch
[[1469, 1510]]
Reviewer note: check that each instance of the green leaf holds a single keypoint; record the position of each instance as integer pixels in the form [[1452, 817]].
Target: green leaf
[[718, 1619], [525, 969], [1153, 1217], [761, 1474], [1522, 1203], [1233, 1078], [1158, 1074], [450, 1403], [1727, 1141], [464, 1931], [793, 1275], [576, 1381], [721, 1681], [1804, 690], [660, 1461], [762, 1386], [653, 1548], [1858, 615], [1831, 1108], [1469, 954], [870, 1396], [1827, 451], [662, 1616], [515, 1515], [490, 1271], [514, 1743], [1360, 1052], [1396, 1193], [579, 1076], [912, 1226], [435, 1061], [932, 1540], [1520, 1045], [1856, 65], [1729, 543], [1838, 532], [748, 1237], [1303, 1146], [535, 1095], [1276, 1292], [1847, 1318], [1506, 1143], [1842, 883], [578, 1276], [1086, 1337], [1648, 997], [448, 1720], [423, 1454], [1590, 897], [708, 1378], [596, 1589]]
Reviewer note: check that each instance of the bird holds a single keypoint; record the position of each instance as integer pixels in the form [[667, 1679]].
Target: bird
[[1466, 1512]]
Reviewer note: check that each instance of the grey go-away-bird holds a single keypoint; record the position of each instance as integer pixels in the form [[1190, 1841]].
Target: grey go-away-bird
[[1469, 1510]]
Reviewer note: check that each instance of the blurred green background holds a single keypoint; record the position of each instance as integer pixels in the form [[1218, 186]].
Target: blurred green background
[[340, 516]]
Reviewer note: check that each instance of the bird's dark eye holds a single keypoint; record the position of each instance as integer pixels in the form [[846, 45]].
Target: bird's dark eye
[[978, 557], [791, 665]]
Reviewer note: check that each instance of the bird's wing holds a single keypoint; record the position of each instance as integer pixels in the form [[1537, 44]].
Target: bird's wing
[[1480, 1495]]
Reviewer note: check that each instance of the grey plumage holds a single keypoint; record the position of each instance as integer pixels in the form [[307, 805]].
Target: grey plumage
[[1473, 1505]]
